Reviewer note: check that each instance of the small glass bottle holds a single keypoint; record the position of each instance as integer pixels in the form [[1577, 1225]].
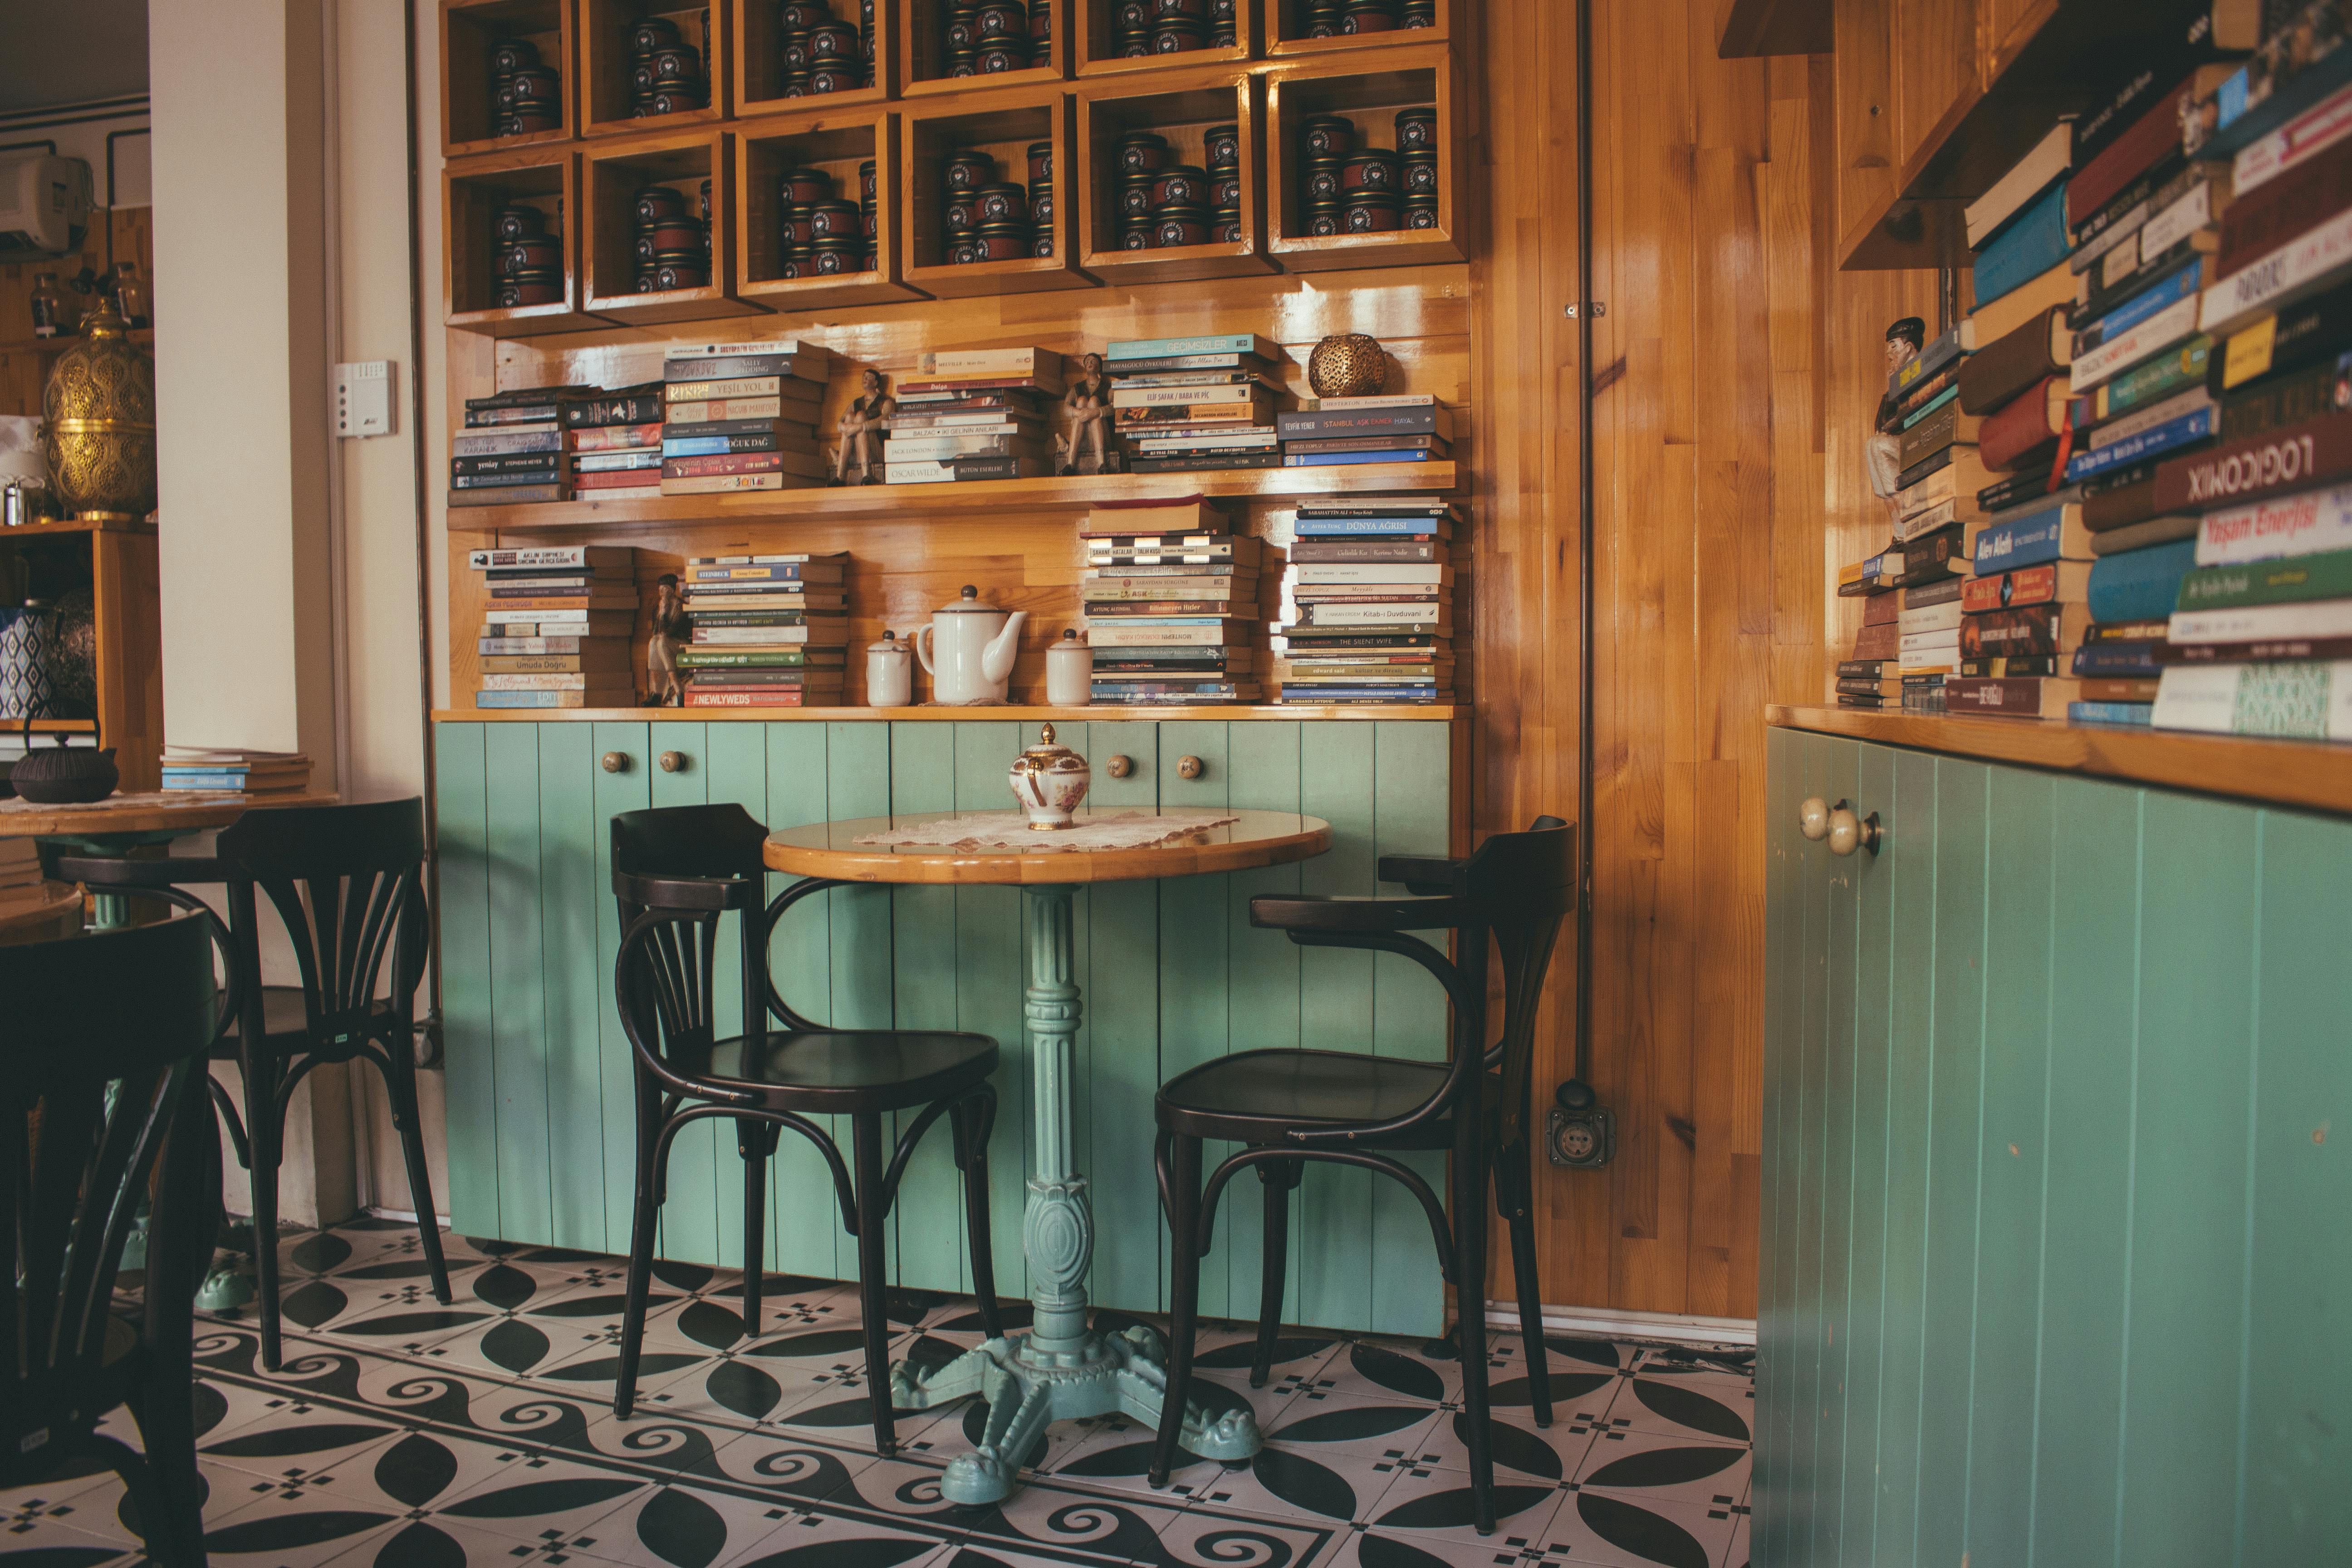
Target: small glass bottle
[[130, 295], [50, 317]]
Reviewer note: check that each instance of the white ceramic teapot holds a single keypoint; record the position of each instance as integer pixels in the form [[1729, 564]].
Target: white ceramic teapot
[[968, 649]]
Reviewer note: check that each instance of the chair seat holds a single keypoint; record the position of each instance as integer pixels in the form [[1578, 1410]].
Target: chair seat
[[1255, 1097], [852, 1069]]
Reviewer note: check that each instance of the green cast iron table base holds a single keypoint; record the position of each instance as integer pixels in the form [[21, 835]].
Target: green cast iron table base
[[1061, 1370]]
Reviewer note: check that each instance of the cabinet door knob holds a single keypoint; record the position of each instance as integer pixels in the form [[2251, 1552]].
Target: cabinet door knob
[[1120, 767], [1847, 831], [1189, 767], [673, 762], [616, 762], [1813, 818]]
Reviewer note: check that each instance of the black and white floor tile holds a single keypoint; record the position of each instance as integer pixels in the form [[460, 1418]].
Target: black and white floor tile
[[403, 1434]]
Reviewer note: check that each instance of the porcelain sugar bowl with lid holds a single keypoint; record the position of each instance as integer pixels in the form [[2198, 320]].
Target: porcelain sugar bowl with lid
[[1049, 780]]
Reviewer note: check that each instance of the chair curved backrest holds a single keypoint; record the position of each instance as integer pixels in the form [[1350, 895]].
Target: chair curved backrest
[[348, 884], [102, 1046], [1524, 885], [678, 844]]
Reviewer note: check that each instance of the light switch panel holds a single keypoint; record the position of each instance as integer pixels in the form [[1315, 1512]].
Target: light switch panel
[[363, 398]]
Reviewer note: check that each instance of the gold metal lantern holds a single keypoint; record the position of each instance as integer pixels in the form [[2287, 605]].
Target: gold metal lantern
[[1347, 364], [99, 422]]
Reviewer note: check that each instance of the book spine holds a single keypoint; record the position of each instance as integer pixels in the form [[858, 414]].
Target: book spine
[[732, 410], [509, 495], [2181, 283], [615, 438], [2008, 697], [2159, 332], [514, 441], [2303, 524], [2315, 452], [639, 409], [1166, 348], [719, 484], [2303, 702], [2296, 581], [2147, 383], [2033, 243], [541, 468], [2171, 436], [727, 391], [708, 697], [729, 367], [2114, 660], [529, 413], [491, 646], [2300, 139], [2136, 713], [2263, 623], [2279, 276], [2139, 585], [530, 699], [2097, 179]]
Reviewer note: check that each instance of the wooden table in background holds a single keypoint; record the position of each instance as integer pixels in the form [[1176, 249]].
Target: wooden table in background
[[121, 823], [1060, 1370]]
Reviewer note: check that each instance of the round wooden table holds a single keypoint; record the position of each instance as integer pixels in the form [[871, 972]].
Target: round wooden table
[[1060, 1369], [121, 823]]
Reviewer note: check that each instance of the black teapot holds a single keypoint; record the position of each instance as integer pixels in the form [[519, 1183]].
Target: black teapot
[[64, 775]]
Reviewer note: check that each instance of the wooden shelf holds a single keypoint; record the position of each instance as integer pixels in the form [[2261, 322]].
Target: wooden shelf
[[50, 527], [471, 193], [1368, 86], [1285, 41], [972, 498], [756, 52], [1090, 42], [927, 713], [1001, 124], [922, 29], [614, 175], [47, 726], [836, 141], [1180, 108], [469, 30], [2307, 774], [602, 98]]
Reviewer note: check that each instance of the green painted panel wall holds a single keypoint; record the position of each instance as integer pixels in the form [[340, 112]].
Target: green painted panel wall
[[1173, 975], [2074, 1075]]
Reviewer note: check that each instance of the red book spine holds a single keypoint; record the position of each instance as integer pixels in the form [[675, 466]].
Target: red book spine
[[704, 697], [722, 463], [2289, 206], [2021, 425], [2315, 452], [2151, 136], [2026, 585], [2015, 696], [619, 480]]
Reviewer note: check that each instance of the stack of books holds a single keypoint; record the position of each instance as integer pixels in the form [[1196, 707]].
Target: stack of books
[[1885, 662], [1870, 676], [616, 439], [1169, 594], [252, 773], [555, 625], [1391, 427], [1367, 604], [20, 866], [1184, 405], [741, 416], [512, 447], [2299, 62], [769, 631], [973, 414]]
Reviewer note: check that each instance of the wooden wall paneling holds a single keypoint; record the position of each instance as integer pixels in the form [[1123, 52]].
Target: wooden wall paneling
[[1181, 109], [126, 592], [922, 38], [1002, 125], [547, 179], [838, 142], [1869, 152], [755, 57], [469, 30], [602, 28], [614, 174]]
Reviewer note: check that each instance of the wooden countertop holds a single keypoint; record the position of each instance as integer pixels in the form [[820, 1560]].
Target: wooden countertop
[[1107, 712], [2313, 774]]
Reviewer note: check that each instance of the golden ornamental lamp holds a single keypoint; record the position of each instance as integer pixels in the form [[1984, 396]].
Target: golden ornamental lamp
[[99, 422]]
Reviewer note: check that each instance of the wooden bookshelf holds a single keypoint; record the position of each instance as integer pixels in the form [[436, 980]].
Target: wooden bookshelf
[[926, 712], [1181, 109], [1285, 35], [1368, 86], [1092, 53], [469, 30], [922, 39]]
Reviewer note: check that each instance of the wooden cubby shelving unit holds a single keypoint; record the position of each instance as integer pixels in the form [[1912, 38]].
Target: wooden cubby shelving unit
[[836, 142], [682, 160], [1285, 35], [1368, 89], [1090, 42], [755, 56], [603, 97], [469, 28], [922, 35], [547, 178], [1181, 107], [1002, 124]]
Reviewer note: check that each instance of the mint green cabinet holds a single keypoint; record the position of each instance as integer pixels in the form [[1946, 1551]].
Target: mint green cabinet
[[539, 1074], [2055, 1264]]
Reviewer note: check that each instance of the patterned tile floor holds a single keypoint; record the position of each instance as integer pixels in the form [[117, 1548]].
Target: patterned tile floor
[[403, 1434]]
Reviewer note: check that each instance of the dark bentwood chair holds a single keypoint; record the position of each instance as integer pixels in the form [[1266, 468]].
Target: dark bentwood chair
[[676, 872], [1292, 1106], [101, 1081], [347, 883]]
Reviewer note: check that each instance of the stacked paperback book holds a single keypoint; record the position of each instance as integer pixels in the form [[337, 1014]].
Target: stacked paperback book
[[1367, 604], [513, 447], [1169, 594], [769, 631], [1390, 428], [973, 414], [615, 440], [1188, 403], [556, 621], [741, 416], [251, 773]]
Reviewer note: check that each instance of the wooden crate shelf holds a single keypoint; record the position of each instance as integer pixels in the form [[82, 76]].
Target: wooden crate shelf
[[471, 193], [755, 50], [1093, 52], [977, 498], [838, 143], [1285, 35], [922, 33], [469, 30], [603, 97], [1369, 88], [1182, 109], [681, 160], [1004, 125]]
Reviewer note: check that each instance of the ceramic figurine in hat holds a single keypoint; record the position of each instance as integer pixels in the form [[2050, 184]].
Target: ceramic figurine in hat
[[1884, 450]]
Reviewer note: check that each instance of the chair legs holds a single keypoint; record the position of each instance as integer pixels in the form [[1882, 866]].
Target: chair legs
[[1470, 1274], [755, 1141], [1279, 1177], [872, 1283], [263, 1135], [1513, 1181], [400, 1089], [1180, 1184], [971, 1119], [641, 1248]]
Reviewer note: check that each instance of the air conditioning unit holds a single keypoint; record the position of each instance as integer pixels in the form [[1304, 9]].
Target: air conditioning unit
[[44, 205]]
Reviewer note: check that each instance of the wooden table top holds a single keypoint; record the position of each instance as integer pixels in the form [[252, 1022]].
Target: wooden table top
[[830, 850], [157, 811], [42, 912]]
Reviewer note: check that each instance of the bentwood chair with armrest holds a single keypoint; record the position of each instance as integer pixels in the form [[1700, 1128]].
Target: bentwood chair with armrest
[[102, 1069], [677, 872], [347, 884], [1292, 1106]]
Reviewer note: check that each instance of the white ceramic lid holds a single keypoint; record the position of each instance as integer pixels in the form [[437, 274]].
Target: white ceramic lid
[[970, 601]]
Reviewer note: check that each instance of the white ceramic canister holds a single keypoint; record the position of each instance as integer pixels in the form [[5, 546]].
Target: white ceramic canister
[[890, 673], [1069, 673]]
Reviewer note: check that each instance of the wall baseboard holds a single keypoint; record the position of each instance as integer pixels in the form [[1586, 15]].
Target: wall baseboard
[[1669, 1328]]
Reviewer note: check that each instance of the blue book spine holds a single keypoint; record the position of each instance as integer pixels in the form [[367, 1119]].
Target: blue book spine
[[2140, 584], [2031, 245], [2117, 660], [203, 781], [2022, 542], [1165, 348], [2138, 713], [520, 699], [1933, 404], [2171, 436], [1343, 527], [2169, 291], [694, 445], [747, 574], [2243, 121], [1326, 459]]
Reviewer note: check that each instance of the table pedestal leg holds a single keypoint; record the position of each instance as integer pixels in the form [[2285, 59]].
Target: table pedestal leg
[[1061, 1370]]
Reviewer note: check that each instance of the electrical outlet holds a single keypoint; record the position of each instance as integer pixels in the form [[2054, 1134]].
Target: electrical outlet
[[363, 398]]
